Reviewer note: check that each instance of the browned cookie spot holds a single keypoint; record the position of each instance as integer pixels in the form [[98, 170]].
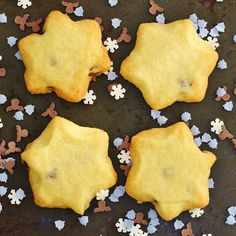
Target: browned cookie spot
[[185, 84], [52, 174], [52, 61]]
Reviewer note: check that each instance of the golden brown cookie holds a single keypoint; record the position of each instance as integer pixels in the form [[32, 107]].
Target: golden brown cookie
[[169, 170], [169, 63], [64, 58], [68, 164]]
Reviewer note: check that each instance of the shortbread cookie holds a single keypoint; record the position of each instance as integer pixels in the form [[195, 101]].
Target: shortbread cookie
[[169, 63], [169, 170], [68, 164], [64, 58]]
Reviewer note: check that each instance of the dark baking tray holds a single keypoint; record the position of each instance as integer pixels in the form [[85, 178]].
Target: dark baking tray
[[119, 118]]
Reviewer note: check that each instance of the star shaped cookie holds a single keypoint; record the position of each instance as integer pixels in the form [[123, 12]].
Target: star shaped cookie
[[64, 58], [169, 170], [169, 63], [68, 164]]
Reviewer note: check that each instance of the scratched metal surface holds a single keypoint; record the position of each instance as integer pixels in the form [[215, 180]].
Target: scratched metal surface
[[118, 118]]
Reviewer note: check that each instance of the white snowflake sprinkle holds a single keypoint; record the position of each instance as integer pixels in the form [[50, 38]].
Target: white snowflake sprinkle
[[196, 213], [24, 3], [230, 220], [130, 214], [113, 2], [186, 116], [11, 41], [214, 32], [198, 141], [19, 115], [155, 114], [202, 24], [232, 210], [216, 125], [117, 142], [152, 214], [118, 91], [206, 138], [213, 42], [234, 38], [124, 157], [18, 56], [203, 33], [102, 194], [3, 99], [220, 27], [211, 183], [121, 226], [151, 229], [162, 120], [111, 75], [16, 196], [0, 207], [137, 231], [207, 234], [3, 191], [228, 106], [178, 224], [213, 144], [220, 92], [3, 18], [29, 109], [59, 224], [161, 18], [118, 192], [195, 130], [111, 45], [79, 11], [154, 221], [193, 18], [115, 23], [83, 220], [222, 64], [3, 177], [90, 97]]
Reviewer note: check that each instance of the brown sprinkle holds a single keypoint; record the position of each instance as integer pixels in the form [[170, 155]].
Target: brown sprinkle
[[235, 91], [139, 219], [20, 133], [224, 134], [99, 21], [70, 6], [12, 148], [102, 207], [2, 148], [15, 105], [124, 36], [50, 111], [109, 87], [125, 144], [126, 169], [188, 231], [155, 8], [2, 72], [34, 25], [21, 21], [9, 165], [233, 142]]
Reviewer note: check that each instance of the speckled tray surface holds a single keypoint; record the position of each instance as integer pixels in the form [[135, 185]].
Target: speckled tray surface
[[126, 116]]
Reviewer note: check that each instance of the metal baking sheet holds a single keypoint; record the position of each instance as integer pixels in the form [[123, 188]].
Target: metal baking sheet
[[119, 118]]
